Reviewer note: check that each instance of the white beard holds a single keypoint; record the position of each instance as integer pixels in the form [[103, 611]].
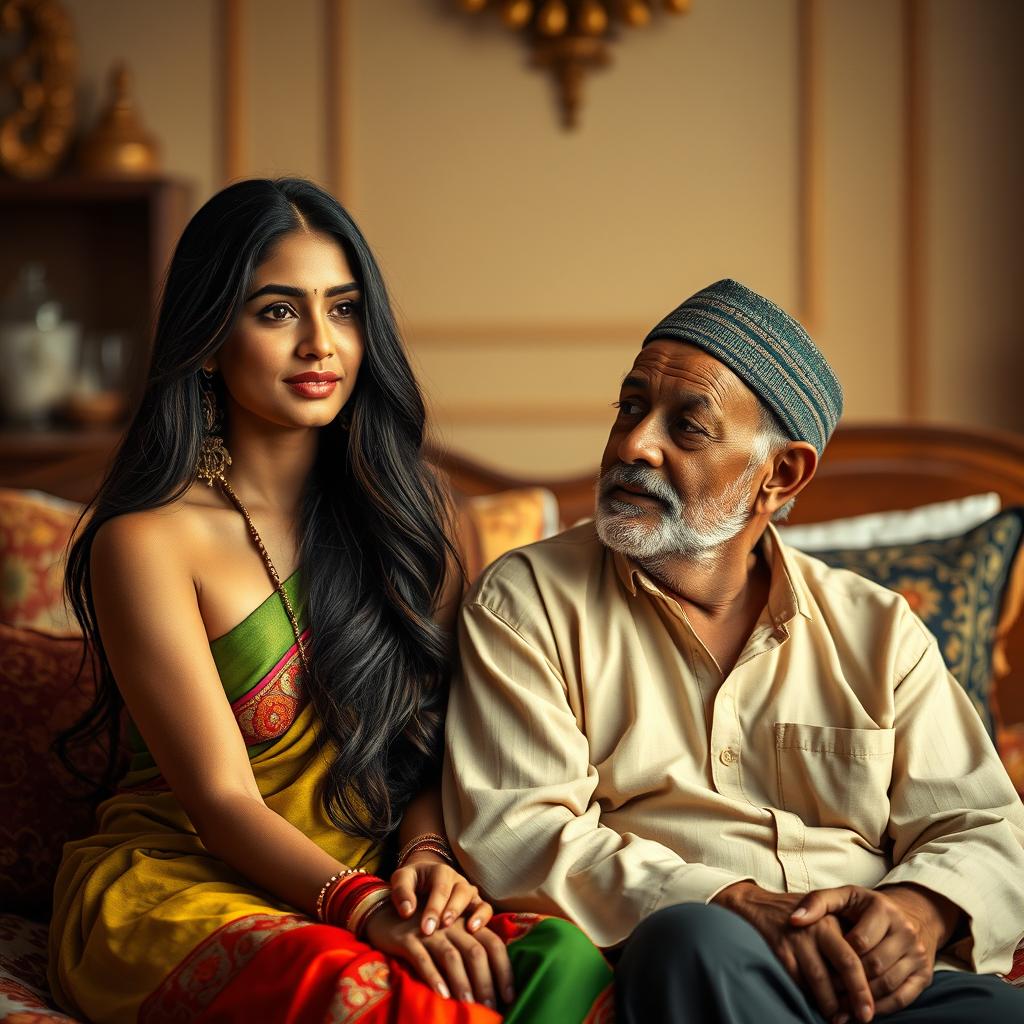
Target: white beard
[[693, 530]]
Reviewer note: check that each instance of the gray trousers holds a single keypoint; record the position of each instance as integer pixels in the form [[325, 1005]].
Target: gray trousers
[[697, 964]]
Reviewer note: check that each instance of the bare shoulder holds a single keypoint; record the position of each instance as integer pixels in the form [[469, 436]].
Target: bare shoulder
[[171, 537]]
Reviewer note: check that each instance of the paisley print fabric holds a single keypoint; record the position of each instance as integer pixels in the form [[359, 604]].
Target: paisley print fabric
[[957, 587]]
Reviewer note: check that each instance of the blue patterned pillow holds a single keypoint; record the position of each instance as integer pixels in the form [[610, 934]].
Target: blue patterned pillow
[[956, 586]]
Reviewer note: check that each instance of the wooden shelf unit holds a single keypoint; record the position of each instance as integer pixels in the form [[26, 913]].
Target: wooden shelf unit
[[105, 246]]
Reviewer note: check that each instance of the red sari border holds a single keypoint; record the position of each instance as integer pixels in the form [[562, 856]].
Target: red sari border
[[289, 968], [212, 965]]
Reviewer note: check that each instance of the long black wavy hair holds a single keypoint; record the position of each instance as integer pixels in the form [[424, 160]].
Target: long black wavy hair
[[375, 543]]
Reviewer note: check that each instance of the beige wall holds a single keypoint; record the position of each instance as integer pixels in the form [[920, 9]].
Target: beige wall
[[526, 262]]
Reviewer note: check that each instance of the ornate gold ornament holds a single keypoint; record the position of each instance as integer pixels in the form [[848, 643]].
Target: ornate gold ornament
[[571, 37], [213, 454], [119, 146], [36, 135]]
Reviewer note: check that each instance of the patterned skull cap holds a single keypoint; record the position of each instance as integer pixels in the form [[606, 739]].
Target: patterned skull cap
[[768, 350]]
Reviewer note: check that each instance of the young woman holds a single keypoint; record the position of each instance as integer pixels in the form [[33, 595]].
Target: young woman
[[265, 580]]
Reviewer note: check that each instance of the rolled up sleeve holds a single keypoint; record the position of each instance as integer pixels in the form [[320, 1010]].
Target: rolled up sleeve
[[956, 823], [519, 793]]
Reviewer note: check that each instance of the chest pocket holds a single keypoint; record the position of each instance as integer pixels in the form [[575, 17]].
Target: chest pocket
[[836, 778]]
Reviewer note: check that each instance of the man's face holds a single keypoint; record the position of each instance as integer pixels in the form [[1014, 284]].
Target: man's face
[[676, 474]]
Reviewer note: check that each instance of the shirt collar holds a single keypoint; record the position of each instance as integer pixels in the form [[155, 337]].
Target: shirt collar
[[787, 596]]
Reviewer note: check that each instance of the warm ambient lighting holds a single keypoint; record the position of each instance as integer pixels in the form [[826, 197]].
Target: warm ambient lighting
[[571, 36]]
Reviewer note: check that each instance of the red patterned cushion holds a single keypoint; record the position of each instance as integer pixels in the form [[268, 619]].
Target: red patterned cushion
[[40, 695], [34, 532]]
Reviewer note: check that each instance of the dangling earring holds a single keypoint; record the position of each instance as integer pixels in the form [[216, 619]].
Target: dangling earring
[[213, 455]]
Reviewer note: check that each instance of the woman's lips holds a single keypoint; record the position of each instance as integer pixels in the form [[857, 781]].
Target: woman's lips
[[313, 385], [313, 388]]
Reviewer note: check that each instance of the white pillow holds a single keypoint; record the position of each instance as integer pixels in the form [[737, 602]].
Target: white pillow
[[926, 522]]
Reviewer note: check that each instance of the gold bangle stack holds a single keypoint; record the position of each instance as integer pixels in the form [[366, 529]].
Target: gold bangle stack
[[429, 842]]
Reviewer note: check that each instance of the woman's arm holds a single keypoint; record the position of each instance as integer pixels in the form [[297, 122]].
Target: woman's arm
[[154, 637]]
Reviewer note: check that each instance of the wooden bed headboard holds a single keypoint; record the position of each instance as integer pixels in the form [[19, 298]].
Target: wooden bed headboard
[[867, 468], [864, 469]]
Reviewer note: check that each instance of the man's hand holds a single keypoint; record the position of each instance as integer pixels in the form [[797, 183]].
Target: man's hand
[[897, 931], [814, 954]]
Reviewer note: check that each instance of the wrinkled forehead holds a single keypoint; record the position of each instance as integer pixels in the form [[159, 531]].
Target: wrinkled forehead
[[675, 368]]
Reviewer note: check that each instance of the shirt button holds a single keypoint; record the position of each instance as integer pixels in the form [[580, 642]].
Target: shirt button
[[728, 756]]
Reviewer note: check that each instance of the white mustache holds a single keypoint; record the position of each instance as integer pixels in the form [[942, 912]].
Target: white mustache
[[643, 477]]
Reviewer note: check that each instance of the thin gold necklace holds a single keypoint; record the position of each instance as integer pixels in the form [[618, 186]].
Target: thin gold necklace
[[269, 563]]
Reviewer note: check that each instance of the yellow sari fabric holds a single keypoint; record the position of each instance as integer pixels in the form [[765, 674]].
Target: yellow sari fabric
[[134, 899]]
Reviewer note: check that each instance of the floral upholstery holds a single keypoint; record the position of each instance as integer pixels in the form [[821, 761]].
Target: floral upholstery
[[34, 532], [40, 694], [959, 587], [24, 995]]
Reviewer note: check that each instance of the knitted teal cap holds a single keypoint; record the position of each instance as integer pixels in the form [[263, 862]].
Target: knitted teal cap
[[768, 350]]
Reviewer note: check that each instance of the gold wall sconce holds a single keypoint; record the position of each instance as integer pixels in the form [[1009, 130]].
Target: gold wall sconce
[[571, 37]]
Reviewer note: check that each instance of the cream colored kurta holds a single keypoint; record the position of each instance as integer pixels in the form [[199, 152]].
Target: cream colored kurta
[[599, 765]]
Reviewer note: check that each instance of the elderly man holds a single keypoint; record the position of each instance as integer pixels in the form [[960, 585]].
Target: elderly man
[[750, 772]]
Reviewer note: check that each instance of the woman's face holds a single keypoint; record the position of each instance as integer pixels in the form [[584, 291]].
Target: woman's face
[[294, 353]]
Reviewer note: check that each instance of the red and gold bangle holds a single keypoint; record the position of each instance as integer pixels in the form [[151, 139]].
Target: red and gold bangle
[[337, 891], [345, 897], [329, 887], [345, 906], [370, 904], [430, 842]]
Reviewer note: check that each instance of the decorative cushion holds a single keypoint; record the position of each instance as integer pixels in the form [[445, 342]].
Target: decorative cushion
[[41, 694], [24, 997], [491, 524], [963, 588], [904, 526], [34, 533]]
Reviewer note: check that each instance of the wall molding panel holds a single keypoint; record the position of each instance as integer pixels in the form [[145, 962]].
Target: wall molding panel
[[915, 355], [810, 188], [233, 98], [338, 98], [810, 168]]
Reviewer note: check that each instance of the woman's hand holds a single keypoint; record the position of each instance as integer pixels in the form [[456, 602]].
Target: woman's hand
[[451, 960], [448, 894]]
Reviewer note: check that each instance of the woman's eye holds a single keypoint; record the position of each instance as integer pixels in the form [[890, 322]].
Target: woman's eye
[[278, 311], [346, 309]]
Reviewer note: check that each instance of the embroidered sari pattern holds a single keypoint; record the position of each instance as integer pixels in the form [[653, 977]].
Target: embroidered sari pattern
[[208, 969], [270, 708], [357, 996]]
